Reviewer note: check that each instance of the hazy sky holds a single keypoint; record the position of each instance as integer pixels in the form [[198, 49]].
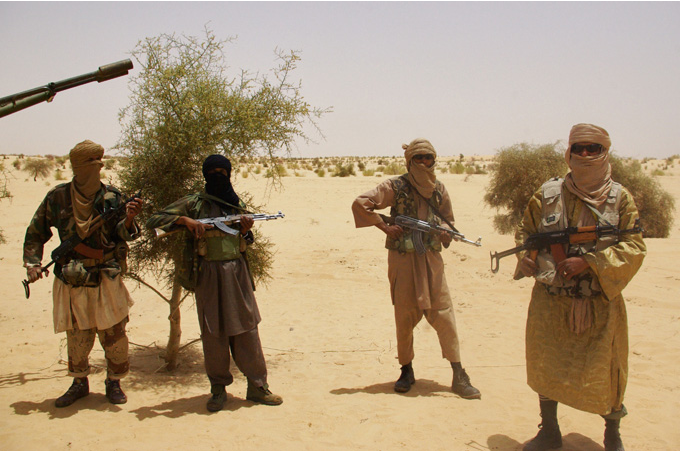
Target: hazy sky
[[470, 77]]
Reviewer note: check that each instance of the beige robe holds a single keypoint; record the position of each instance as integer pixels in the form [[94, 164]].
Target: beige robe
[[418, 285], [587, 371]]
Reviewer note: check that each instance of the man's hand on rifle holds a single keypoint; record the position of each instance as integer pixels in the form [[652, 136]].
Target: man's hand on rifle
[[196, 228], [34, 273], [245, 224], [445, 238], [528, 267], [393, 231], [133, 208], [571, 267]]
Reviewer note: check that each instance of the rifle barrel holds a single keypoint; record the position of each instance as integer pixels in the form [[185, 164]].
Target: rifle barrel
[[16, 102]]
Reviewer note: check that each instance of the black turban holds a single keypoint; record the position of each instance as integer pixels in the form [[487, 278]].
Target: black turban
[[217, 184]]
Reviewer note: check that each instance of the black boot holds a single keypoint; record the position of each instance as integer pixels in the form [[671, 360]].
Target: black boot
[[461, 385], [218, 398], [549, 436], [79, 389], [113, 391], [612, 441], [406, 379]]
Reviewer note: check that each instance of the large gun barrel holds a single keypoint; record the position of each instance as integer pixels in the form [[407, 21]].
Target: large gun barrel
[[16, 102]]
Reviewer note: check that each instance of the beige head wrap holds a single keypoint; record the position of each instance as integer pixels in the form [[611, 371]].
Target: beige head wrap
[[421, 177], [590, 176], [86, 163]]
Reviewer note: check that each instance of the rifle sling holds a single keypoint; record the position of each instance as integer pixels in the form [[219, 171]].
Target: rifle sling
[[433, 209]]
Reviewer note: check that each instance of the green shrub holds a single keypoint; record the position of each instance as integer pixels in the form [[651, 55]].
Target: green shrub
[[516, 173], [58, 175], [656, 206], [320, 172], [368, 172], [280, 171], [395, 168], [457, 168], [344, 171]]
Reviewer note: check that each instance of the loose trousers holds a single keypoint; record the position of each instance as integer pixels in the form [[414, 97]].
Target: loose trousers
[[114, 341], [247, 354]]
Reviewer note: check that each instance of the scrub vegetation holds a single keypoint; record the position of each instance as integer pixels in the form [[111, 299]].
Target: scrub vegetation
[[519, 170]]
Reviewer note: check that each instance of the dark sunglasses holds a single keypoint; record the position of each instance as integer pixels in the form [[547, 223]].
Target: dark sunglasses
[[592, 149], [423, 157]]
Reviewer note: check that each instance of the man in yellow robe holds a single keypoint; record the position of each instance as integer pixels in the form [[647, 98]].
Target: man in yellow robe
[[576, 333], [418, 285]]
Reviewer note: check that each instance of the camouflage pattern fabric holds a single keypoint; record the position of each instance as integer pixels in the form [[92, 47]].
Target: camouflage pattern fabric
[[114, 342], [195, 206], [405, 205], [56, 211]]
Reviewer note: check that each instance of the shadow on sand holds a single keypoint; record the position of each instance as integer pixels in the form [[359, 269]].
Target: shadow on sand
[[571, 442], [422, 387]]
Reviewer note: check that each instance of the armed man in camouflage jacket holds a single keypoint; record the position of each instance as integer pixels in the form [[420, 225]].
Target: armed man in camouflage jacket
[[218, 273], [418, 285], [88, 293]]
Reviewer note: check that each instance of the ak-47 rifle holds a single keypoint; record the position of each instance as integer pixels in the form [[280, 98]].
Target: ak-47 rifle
[[16, 102], [555, 241], [423, 226], [75, 242], [221, 223]]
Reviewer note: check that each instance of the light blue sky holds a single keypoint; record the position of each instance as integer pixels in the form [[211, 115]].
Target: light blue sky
[[471, 77]]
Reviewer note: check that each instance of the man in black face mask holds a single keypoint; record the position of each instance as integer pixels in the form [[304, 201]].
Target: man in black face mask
[[226, 305]]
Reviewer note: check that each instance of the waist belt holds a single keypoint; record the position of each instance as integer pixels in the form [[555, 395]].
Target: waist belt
[[90, 262]]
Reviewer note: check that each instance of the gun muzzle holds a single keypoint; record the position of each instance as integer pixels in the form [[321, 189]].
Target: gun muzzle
[[113, 70]]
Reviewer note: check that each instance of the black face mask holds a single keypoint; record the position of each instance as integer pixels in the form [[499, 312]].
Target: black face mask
[[219, 185]]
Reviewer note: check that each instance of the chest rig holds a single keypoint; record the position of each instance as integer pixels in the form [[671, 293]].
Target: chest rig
[[405, 204], [555, 218], [216, 245]]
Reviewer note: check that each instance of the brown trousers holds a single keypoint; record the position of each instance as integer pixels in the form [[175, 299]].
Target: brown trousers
[[114, 341], [247, 354]]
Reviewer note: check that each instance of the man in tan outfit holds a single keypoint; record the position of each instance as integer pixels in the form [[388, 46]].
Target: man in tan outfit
[[418, 285]]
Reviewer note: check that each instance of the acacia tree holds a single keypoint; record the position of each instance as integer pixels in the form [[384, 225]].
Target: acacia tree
[[183, 108], [38, 167]]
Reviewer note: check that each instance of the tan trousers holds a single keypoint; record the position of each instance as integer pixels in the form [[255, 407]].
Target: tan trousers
[[114, 341], [408, 313]]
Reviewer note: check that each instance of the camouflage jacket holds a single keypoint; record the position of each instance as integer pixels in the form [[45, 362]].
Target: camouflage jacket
[[56, 211]]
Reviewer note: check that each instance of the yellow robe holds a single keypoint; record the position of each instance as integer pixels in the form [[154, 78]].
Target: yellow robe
[[586, 371]]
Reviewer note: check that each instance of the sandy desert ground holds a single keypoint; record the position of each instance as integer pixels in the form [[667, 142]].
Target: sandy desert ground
[[328, 336]]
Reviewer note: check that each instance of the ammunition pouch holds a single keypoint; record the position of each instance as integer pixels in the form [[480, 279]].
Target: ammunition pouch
[[76, 274], [218, 246]]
